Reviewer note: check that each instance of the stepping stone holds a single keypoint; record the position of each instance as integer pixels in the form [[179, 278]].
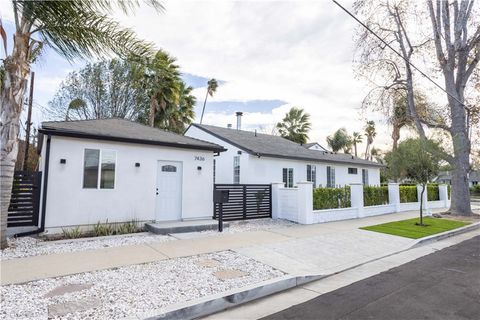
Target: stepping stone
[[208, 263], [64, 308], [63, 289], [227, 274]]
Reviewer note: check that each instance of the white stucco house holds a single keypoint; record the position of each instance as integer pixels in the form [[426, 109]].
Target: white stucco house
[[256, 158], [115, 169]]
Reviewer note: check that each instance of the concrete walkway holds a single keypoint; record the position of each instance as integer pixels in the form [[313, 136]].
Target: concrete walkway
[[299, 250]]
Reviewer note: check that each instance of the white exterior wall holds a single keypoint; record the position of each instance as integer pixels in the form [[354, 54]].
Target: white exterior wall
[[265, 170], [224, 162], [135, 187]]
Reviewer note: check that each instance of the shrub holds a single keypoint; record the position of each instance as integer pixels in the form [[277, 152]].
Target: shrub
[[475, 189], [433, 193], [408, 194], [103, 229], [375, 196], [331, 198], [72, 233], [127, 227]]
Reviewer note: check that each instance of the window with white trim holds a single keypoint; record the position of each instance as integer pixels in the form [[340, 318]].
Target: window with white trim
[[99, 169], [287, 175], [330, 177], [312, 174], [365, 177], [236, 169], [352, 170]]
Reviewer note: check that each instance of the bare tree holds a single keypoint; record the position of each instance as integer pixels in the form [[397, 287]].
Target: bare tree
[[401, 25]]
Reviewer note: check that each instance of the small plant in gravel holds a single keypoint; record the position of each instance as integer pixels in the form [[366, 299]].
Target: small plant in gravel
[[103, 229], [72, 233], [127, 227]]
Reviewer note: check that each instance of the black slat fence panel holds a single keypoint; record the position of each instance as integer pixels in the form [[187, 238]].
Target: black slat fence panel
[[25, 202], [246, 201]]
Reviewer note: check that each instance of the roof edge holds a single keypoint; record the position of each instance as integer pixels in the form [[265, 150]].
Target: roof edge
[[196, 125], [77, 134]]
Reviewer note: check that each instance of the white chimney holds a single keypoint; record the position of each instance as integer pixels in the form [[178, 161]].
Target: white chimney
[[239, 120]]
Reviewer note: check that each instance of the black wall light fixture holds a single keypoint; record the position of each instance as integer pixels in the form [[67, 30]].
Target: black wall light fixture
[[199, 168], [239, 152], [63, 161], [137, 164]]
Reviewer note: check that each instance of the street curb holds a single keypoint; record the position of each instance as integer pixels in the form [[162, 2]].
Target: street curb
[[225, 300], [446, 234]]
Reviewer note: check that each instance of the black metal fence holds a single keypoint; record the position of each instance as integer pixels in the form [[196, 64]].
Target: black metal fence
[[246, 201], [25, 201]]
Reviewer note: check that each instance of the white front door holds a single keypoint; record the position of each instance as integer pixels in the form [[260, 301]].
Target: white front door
[[169, 191]]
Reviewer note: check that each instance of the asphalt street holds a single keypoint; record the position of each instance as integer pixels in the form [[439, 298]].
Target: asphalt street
[[442, 285]]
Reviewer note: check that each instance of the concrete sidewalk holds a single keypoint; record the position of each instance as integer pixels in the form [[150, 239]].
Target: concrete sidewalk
[[298, 250]]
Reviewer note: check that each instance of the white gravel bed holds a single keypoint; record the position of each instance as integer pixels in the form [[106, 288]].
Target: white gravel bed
[[28, 246], [134, 291]]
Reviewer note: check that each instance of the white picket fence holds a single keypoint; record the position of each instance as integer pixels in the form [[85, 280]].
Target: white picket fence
[[296, 204]]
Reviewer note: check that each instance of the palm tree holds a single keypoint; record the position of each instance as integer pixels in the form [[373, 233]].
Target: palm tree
[[356, 138], [74, 29], [175, 118], [160, 79], [212, 86], [295, 126], [370, 134], [339, 140]]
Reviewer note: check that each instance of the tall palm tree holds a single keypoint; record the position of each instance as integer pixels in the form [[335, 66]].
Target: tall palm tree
[[370, 134], [177, 117], [339, 140], [160, 78], [74, 29], [295, 126], [212, 86], [356, 138]]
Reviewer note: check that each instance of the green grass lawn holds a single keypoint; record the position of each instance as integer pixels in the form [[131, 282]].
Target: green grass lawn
[[408, 228]]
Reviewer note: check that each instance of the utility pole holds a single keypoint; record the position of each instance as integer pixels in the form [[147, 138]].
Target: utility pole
[[29, 122]]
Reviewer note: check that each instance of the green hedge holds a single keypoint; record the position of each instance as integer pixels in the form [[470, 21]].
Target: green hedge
[[433, 194], [375, 196], [475, 190], [331, 198], [408, 194]]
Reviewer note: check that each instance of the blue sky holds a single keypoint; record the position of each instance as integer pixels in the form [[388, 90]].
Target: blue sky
[[269, 57]]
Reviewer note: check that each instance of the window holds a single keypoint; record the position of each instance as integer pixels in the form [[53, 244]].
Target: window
[[236, 169], [352, 170], [288, 177], [312, 174], [99, 169], [330, 177], [365, 176], [169, 168]]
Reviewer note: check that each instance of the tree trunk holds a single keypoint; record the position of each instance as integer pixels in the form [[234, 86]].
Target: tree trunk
[[17, 70], [204, 103], [355, 146]]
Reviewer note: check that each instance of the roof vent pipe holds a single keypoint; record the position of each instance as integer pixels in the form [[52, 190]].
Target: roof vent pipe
[[229, 126], [239, 120]]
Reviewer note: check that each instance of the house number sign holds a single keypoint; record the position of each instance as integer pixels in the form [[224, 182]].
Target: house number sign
[[199, 158]]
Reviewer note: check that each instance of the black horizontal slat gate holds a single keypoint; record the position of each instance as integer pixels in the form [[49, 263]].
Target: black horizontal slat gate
[[25, 201], [246, 201]]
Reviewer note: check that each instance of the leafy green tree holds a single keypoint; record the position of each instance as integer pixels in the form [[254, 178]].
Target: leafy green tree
[[370, 134], [339, 140], [100, 90], [416, 160], [295, 126], [356, 139], [212, 86], [74, 29]]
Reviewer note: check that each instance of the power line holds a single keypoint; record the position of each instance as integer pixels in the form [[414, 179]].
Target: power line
[[398, 53]]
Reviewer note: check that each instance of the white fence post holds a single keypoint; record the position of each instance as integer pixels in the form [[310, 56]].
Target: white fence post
[[426, 208], [356, 197], [305, 202], [276, 199], [443, 194], [394, 195]]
